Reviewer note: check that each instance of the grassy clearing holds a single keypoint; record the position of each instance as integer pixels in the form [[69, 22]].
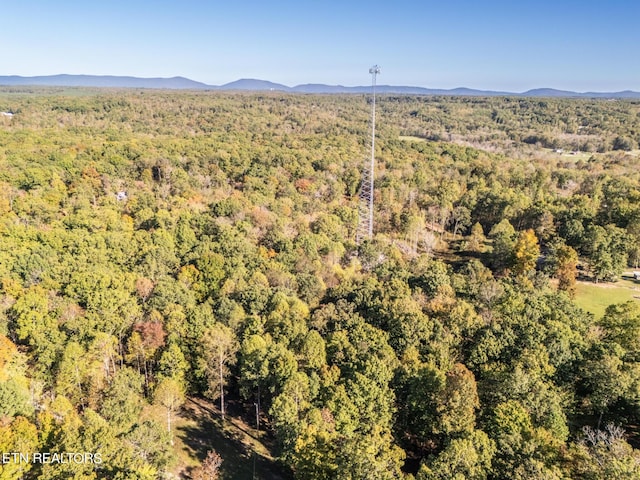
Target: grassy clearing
[[411, 138], [595, 298], [584, 156], [197, 429]]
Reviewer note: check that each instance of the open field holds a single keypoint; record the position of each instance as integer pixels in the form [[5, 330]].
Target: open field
[[595, 298], [575, 156], [412, 138]]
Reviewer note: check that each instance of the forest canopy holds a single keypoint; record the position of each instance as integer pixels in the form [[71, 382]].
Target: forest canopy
[[157, 247]]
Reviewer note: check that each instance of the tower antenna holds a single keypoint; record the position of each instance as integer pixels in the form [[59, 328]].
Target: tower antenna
[[365, 205]]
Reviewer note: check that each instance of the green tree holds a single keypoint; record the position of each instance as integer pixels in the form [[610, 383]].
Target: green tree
[[623, 143], [122, 401], [313, 350], [171, 395], [622, 326], [523, 451], [152, 443], [438, 406], [172, 363], [467, 458], [219, 351], [37, 325], [15, 395], [288, 411], [254, 365], [633, 232], [315, 455], [607, 252], [503, 236], [287, 319], [476, 240], [72, 374], [458, 401]]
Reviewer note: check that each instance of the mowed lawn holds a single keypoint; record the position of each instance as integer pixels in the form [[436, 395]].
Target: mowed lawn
[[595, 298]]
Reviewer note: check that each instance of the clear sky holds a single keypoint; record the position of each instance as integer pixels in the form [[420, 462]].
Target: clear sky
[[500, 45]]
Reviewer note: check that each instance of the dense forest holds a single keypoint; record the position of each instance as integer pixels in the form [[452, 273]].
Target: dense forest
[[157, 247]]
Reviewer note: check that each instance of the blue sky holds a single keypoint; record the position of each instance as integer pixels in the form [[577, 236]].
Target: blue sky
[[500, 45]]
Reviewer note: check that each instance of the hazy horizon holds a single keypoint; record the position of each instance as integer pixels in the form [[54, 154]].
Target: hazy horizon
[[266, 80]]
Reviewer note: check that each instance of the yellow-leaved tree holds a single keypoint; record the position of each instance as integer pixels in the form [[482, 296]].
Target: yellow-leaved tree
[[525, 252]]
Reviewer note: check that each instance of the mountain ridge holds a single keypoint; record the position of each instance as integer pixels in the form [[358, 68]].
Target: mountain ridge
[[251, 84]]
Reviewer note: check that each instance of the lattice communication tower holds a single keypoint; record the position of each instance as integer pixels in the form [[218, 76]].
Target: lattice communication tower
[[365, 205]]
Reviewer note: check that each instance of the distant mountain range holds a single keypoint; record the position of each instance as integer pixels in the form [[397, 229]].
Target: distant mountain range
[[248, 84]]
